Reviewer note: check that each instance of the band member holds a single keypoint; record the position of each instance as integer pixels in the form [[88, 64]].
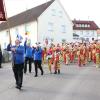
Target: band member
[[75, 52], [18, 62], [28, 56], [38, 59], [67, 56], [71, 55], [44, 54], [63, 51], [89, 54], [80, 53], [49, 57], [85, 51], [97, 55], [94, 53], [56, 62]]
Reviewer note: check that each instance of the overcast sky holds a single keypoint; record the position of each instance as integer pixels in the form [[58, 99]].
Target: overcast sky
[[78, 9]]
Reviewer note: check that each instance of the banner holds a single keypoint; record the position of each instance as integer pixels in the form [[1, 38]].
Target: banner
[[2, 11]]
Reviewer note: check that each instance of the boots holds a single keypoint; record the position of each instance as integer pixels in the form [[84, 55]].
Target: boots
[[55, 72], [58, 71], [0, 65]]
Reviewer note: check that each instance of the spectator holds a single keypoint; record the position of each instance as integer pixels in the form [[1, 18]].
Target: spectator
[[9, 47]]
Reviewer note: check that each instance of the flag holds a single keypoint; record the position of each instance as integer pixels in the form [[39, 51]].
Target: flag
[[2, 11], [19, 37]]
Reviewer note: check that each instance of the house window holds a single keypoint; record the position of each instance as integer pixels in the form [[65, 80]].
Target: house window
[[87, 39], [83, 25], [7, 33], [63, 28], [53, 12], [60, 13], [77, 25], [16, 31], [81, 33], [88, 34], [80, 25], [92, 33], [63, 40], [88, 25], [50, 26], [26, 27]]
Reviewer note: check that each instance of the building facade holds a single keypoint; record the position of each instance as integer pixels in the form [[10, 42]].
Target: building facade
[[54, 24], [84, 30], [47, 21]]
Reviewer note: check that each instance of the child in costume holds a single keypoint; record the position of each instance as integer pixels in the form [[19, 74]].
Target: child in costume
[[56, 62]]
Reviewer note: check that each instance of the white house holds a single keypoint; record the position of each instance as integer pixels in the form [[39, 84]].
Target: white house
[[84, 30], [98, 34], [47, 21]]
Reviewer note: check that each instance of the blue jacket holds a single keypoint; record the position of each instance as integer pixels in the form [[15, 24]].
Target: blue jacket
[[29, 52], [37, 54], [25, 45], [18, 55], [9, 47]]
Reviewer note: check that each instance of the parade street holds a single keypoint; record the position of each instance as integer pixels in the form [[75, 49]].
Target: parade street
[[73, 83]]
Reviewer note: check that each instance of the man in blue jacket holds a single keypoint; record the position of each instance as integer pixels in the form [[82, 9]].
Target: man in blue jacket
[[18, 62], [28, 56], [38, 60]]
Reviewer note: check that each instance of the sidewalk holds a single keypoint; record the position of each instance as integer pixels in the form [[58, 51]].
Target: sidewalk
[[6, 65]]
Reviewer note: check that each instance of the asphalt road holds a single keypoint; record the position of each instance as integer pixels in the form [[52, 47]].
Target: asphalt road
[[73, 83]]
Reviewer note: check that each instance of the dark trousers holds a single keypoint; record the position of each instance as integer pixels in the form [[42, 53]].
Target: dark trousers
[[37, 64], [18, 73], [0, 64], [29, 60]]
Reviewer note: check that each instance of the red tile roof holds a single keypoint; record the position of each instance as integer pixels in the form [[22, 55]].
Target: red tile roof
[[91, 25]]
